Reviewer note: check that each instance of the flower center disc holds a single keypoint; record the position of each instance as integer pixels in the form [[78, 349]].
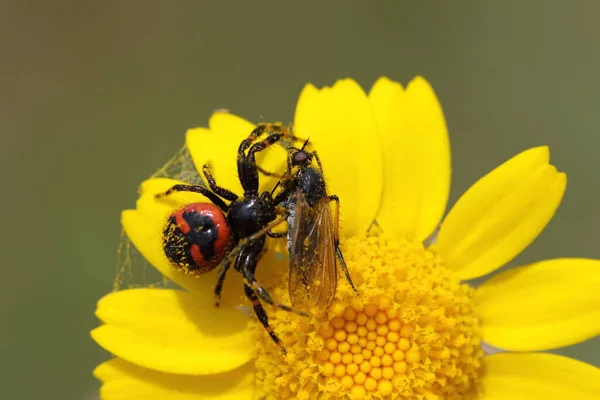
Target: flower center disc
[[409, 333]]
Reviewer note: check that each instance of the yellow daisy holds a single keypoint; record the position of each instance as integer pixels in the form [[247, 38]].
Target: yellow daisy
[[414, 330]]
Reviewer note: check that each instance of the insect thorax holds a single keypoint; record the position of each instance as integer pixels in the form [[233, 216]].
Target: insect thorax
[[310, 181]]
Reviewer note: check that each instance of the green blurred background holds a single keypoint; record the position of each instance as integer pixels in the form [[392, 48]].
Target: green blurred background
[[96, 95]]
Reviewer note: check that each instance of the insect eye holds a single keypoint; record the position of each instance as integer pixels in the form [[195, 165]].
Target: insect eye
[[300, 157]]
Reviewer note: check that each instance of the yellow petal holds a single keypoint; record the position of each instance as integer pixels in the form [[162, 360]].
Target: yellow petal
[[416, 159], [510, 376], [218, 146], [541, 306], [172, 331], [501, 214], [125, 381], [144, 227], [343, 129]]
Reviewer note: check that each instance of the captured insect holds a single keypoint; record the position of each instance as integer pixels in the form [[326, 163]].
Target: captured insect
[[313, 233], [201, 236]]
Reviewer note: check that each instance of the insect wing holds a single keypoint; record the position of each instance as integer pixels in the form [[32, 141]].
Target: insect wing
[[313, 274]]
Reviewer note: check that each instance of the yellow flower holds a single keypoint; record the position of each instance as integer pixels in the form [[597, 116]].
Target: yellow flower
[[414, 330]]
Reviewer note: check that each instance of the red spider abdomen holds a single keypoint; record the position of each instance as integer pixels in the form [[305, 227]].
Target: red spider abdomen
[[196, 237]]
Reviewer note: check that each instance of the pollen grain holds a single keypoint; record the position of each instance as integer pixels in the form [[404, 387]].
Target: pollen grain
[[410, 333]]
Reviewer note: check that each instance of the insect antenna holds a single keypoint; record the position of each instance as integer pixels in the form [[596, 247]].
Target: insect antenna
[[305, 143]]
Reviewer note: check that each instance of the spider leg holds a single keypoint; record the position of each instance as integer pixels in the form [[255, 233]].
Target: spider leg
[[246, 143], [247, 266], [195, 189], [242, 160], [264, 294], [224, 193], [250, 180], [246, 263], [220, 280], [250, 240], [261, 314]]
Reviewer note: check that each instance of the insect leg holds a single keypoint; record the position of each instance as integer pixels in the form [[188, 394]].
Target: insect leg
[[336, 223], [276, 235], [284, 193], [336, 239], [224, 193], [268, 173], [316, 156], [195, 189]]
